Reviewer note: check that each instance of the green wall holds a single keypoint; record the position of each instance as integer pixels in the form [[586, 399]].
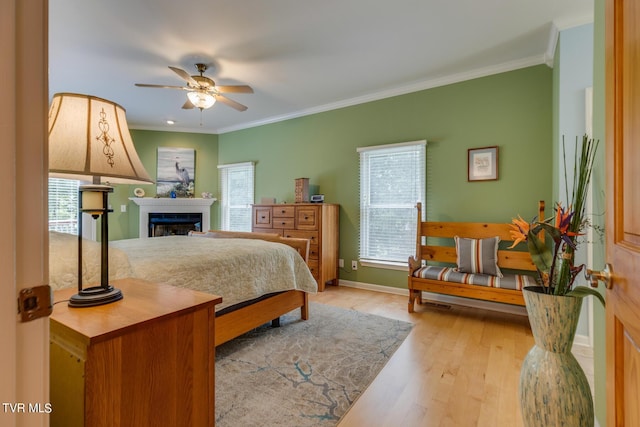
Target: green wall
[[511, 110], [125, 225]]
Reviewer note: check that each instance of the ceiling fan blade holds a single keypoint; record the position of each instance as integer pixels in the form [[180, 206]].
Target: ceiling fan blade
[[160, 86], [230, 103], [234, 89], [185, 76], [188, 105]]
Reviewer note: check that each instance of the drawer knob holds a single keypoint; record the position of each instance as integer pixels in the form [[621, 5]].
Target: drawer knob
[[306, 217], [262, 217]]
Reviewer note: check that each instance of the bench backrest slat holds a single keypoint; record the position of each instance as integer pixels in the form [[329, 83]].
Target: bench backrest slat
[[517, 258], [475, 230], [510, 258]]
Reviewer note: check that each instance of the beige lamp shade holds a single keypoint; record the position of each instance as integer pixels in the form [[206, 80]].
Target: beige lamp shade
[[89, 137]]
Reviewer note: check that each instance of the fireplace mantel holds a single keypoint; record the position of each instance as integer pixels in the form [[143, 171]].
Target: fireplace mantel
[[167, 205]]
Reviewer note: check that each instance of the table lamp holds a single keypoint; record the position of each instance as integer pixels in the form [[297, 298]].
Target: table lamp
[[89, 140]]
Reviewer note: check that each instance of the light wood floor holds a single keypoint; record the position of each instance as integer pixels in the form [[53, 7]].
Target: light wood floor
[[459, 366]]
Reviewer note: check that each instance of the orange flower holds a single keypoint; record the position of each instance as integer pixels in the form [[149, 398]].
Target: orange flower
[[519, 231], [563, 221]]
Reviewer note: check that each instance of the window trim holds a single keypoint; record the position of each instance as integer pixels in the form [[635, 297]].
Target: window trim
[[88, 223], [223, 199], [387, 264]]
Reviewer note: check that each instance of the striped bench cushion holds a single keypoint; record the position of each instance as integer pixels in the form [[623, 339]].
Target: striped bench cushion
[[449, 274]]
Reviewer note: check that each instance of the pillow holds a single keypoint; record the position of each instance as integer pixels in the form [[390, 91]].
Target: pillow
[[478, 256]]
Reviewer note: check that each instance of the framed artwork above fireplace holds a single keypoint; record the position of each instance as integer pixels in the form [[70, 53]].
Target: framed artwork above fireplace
[[176, 174]]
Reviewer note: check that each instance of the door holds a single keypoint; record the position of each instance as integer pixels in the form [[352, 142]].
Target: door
[[623, 211], [24, 376]]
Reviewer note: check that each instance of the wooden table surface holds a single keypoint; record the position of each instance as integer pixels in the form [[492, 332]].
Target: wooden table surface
[[142, 302]]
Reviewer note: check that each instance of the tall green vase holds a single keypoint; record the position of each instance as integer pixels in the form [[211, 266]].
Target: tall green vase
[[554, 390]]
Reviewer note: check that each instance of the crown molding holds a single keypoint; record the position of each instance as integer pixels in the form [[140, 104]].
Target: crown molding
[[559, 26], [400, 90]]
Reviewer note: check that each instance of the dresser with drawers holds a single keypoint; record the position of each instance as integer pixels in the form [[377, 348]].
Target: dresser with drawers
[[318, 222]]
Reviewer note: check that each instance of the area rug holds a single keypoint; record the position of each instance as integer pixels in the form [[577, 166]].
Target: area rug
[[304, 373]]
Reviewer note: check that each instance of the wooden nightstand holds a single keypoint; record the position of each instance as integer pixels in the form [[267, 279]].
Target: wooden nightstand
[[147, 360]]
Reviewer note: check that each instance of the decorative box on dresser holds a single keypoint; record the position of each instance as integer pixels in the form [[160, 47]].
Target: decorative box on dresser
[[318, 222], [147, 360]]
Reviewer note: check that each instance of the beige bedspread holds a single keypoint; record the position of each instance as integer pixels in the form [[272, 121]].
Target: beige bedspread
[[63, 262], [236, 269]]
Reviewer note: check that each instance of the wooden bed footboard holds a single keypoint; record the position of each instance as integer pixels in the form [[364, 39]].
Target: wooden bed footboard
[[237, 322], [299, 244]]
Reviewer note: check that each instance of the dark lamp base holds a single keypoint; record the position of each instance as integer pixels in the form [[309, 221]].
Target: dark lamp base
[[97, 295]]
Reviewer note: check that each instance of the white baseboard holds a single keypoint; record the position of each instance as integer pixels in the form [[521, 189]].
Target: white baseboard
[[445, 299], [581, 343], [582, 347]]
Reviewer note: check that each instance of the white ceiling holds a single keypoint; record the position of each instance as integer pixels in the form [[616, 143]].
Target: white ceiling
[[300, 56]]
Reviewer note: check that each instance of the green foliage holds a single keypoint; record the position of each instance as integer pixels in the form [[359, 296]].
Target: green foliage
[[583, 291], [555, 260], [540, 253]]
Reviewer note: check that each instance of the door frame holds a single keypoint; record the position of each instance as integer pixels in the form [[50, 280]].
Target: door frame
[[23, 172]]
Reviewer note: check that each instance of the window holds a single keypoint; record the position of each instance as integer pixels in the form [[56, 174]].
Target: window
[[63, 205], [392, 181], [236, 194]]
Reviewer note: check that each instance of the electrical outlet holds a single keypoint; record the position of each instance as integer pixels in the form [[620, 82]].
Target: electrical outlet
[[354, 265], [341, 263]]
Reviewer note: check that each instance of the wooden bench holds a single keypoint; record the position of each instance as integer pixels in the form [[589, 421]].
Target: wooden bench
[[299, 244], [443, 252]]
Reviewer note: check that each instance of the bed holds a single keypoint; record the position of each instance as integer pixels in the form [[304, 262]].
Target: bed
[[259, 276]]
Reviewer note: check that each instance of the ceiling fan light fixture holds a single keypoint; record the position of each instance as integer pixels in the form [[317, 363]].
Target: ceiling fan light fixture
[[201, 100]]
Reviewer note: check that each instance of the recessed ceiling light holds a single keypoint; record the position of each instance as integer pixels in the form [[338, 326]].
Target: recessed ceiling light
[[171, 122]]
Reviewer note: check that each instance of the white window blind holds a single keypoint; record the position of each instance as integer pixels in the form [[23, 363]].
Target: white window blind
[[392, 180], [236, 195], [63, 205]]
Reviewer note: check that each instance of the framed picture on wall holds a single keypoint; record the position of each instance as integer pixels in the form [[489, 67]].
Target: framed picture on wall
[[176, 172], [482, 164]]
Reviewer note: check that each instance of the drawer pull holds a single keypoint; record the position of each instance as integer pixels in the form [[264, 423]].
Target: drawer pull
[[306, 218], [262, 217], [282, 211]]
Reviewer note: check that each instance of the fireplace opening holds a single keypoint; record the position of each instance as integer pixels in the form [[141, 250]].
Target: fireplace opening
[[174, 224]]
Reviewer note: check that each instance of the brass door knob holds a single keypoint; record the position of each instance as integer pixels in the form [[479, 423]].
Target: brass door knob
[[606, 276]]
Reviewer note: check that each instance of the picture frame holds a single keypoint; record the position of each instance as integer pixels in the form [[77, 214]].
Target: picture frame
[[482, 164], [176, 171]]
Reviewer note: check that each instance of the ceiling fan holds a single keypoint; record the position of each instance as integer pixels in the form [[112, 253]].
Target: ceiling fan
[[202, 92]]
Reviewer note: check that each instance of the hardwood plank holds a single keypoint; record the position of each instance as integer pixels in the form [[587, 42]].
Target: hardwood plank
[[460, 366]]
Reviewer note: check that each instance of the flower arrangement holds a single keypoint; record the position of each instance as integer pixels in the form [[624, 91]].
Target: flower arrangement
[[555, 261]]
